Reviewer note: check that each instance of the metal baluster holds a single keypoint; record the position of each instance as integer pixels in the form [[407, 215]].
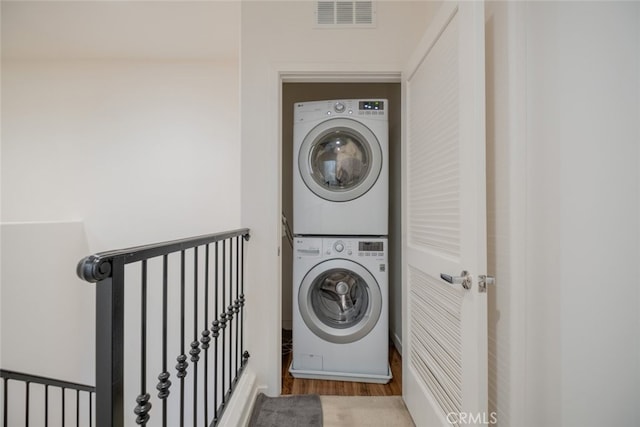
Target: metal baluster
[[215, 331], [46, 405], [90, 410], [236, 304], [5, 401], [230, 315], [63, 406], [181, 367], [26, 410], [245, 355], [144, 406], [223, 316], [195, 345], [205, 336], [77, 408], [164, 384]]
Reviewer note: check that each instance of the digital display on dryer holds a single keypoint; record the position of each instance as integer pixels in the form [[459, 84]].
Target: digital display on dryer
[[372, 105], [370, 246]]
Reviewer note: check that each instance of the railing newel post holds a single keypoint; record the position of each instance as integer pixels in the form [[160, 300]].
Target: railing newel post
[[110, 347]]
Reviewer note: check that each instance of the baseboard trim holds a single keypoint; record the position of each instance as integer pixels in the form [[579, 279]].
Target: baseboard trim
[[238, 413]]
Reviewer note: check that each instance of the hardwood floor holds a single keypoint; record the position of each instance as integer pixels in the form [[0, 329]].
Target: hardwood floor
[[292, 385]]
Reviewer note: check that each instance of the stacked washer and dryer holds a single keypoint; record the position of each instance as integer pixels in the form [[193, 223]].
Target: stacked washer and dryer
[[340, 277]]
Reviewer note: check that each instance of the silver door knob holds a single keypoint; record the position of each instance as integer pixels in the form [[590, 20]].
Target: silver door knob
[[464, 279]]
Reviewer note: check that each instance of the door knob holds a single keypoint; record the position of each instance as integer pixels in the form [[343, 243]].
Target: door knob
[[464, 279]]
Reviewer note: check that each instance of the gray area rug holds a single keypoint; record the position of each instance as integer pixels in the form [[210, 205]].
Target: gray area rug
[[287, 411]]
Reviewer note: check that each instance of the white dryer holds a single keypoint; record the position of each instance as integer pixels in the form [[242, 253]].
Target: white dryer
[[340, 313], [340, 170]]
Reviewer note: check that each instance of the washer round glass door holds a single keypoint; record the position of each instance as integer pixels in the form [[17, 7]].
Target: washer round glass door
[[340, 301], [340, 159]]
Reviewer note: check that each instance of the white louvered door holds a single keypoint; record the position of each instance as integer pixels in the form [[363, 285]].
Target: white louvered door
[[444, 205]]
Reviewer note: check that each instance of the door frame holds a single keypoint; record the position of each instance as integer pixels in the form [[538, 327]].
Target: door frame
[[281, 73]]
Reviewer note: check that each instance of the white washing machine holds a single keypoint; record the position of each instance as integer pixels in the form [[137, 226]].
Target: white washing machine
[[340, 313], [340, 176]]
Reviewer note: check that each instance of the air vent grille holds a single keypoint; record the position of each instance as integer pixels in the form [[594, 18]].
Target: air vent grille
[[345, 14], [326, 13], [363, 12]]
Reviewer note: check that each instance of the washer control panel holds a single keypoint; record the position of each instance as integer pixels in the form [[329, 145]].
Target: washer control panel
[[354, 248], [307, 247], [338, 247]]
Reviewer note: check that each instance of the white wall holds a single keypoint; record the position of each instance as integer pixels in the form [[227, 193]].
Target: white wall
[[279, 36], [563, 101], [122, 137], [142, 151], [44, 306], [46, 312], [136, 152], [582, 301]]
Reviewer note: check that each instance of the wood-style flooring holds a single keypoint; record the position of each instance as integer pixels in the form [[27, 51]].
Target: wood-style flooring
[[291, 385]]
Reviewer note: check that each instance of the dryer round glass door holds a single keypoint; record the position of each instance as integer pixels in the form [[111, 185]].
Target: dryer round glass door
[[340, 301], [340, 160]]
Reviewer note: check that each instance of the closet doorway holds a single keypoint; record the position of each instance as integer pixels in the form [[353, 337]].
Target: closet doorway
[[297, 92]]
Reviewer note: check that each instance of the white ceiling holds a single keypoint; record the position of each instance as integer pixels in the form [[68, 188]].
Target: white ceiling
[[180, 29]]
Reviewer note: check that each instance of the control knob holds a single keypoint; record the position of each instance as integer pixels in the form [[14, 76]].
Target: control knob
[[339, 107]]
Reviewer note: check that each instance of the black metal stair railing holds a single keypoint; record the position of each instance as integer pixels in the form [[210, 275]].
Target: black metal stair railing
[[42, 399], [205, 320]]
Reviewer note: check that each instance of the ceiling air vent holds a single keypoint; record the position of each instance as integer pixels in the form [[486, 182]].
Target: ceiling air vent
[[345, 14]]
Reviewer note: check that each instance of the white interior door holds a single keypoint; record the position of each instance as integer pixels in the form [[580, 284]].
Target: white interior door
[[444, 205]]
